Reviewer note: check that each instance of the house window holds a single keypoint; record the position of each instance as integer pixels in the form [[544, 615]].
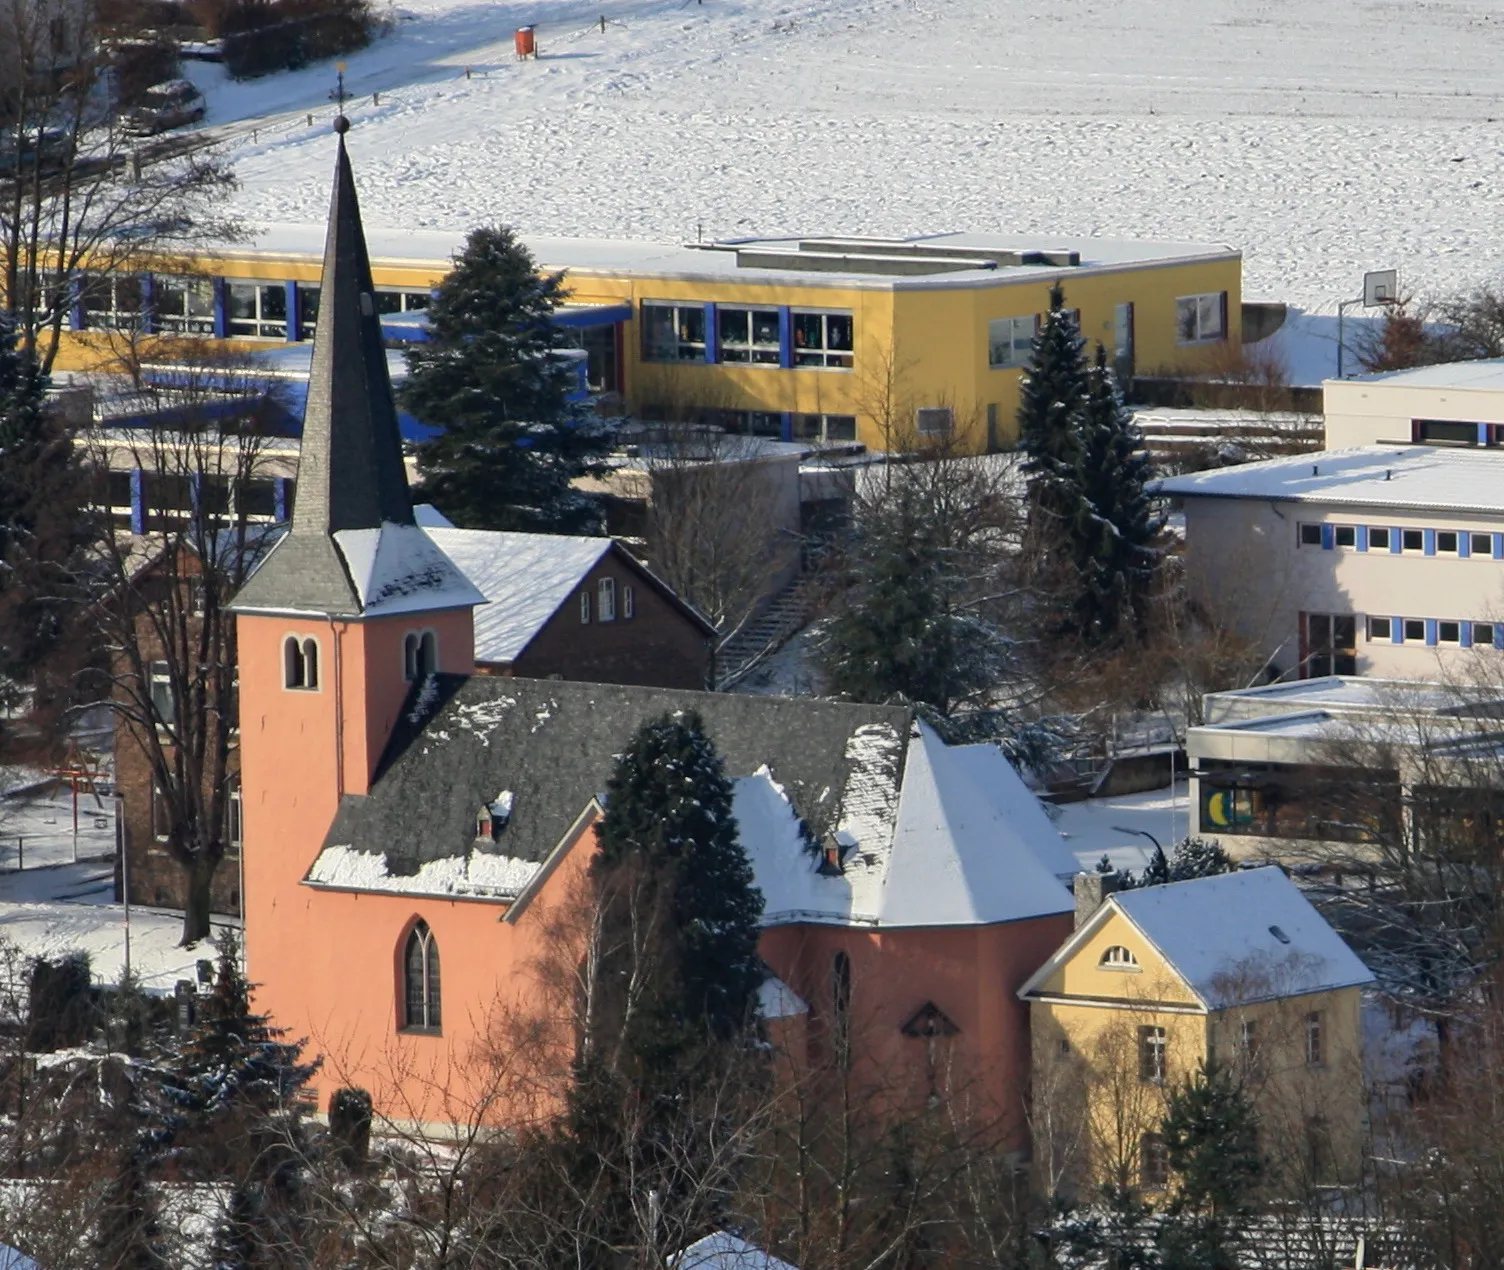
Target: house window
[[584, 608], [605, 600], [840, 1004], [1413, 539], [1151, 1055], [184, 306], [420, 963], [1378, 538], [825, 427], [1414, 630], [1248, 1044], [389, 301], [233, 820], [419, 655], [161, 818], [1443, 432], [1483, 634], [1446, 542], [1315, 1040], [628, 604], [113, 302], [1346, 535], [1009, 341], [162, 701], [1380, 629], [1448, 632], [1331, 645], [1119, 958], [749, 335], [1201, 319], [1481, 545], [1153, 1162], [673, 332], [300, 663], [822, 339], [1310, 535], [934, 421], [308, 310], [256, 310]]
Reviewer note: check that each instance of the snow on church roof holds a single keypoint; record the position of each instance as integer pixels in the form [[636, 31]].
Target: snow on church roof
[[398, 569]]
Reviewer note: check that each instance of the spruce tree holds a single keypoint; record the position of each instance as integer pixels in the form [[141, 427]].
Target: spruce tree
[[490, 378], [43, 514], [1114, 524], [1211, 1137], [1052, 394]]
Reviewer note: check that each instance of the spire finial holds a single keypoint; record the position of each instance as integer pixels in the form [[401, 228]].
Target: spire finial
[[341, 124]]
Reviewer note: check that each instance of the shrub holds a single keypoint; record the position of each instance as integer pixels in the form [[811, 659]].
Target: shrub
[[264, 36], [58, 1003]]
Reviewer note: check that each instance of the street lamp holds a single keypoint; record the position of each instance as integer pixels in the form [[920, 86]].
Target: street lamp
[[1142, 833]]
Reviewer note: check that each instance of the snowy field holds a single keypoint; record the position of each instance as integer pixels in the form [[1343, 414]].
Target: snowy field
[[1322, 138]]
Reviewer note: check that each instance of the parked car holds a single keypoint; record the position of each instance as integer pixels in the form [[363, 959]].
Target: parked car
[[164, 107], [45, 151]]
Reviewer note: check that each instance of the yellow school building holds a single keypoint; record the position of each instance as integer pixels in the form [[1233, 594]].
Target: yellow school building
[[1237, 968], [882, 341]]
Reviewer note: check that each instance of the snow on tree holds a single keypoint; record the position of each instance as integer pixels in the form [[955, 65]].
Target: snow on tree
[[494, 379], [1052, 394]]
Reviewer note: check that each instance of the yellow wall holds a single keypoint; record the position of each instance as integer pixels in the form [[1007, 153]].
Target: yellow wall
[[916, 345], [1092, 1109]]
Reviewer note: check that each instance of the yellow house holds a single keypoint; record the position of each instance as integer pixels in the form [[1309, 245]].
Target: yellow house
[[1239, 968], [884, 341]]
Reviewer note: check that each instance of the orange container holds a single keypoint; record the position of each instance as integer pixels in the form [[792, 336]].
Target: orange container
[[526, 46]]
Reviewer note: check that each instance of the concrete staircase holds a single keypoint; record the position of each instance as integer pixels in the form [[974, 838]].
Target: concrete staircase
[[786, 614]]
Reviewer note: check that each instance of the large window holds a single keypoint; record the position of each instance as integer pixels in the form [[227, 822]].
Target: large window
[[300, 663], [256, 310], [822, 339], [934, 421], [1331, 645], [840, 1005], [162, 700], [749, 335], [1154, 1162], [113, 303], [393, 301], [184, 306], [233, 820], [605, 600], [420, 966], [1009, 340], [673, 332], [825, 428], [1315, 1040], [1151, 1055], [308, 310], [1201, 319]]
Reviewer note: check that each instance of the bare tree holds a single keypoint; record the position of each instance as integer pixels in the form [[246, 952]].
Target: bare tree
[[78, 196], [157, 595]]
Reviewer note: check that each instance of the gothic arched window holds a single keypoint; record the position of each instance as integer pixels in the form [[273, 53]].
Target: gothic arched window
[[420, 980]]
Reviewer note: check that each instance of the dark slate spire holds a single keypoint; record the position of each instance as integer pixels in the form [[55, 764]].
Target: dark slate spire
[[351, 478], [350, 473]]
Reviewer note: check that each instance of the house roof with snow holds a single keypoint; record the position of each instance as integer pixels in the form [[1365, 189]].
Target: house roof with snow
[[922, 838], [1410, 477], [528, 577], [724, 1251], [1232, 939]]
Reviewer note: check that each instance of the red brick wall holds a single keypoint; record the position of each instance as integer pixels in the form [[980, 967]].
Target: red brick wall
[[660, 646]]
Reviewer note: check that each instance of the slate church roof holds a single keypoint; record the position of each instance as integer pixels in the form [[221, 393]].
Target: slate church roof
[[354, 548], [921, 838]]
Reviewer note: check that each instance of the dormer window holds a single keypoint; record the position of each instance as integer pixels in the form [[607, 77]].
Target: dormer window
[[492, 818], [1118, 958], [300, 663]]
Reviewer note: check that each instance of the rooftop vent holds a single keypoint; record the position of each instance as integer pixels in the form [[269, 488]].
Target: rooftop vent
[[1279, 934]]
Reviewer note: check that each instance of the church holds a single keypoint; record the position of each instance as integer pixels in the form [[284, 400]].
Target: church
[[413, 829]]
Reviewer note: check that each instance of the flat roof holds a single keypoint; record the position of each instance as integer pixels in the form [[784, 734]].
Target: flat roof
[[1420, 477], [1484, 375], [1352, 692], [718, 260]]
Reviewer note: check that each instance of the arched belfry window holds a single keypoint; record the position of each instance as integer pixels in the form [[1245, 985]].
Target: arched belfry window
[[300, 662], [420, 978], [420, 655]]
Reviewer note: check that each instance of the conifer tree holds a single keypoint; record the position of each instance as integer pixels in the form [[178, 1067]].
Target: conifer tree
[[1114, 523], [1052, 394], [490, 378], [1211, 1137], [43, 517]]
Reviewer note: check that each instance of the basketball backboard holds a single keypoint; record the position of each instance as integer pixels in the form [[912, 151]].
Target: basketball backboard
[[1381, 286]]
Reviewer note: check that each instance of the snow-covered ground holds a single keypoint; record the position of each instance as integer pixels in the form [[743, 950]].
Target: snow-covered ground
[[1115, 827], [38, 829], [1323, 138]]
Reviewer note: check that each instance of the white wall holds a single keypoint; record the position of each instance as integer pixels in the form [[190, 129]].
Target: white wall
[[1245, 565], [1372, 412]]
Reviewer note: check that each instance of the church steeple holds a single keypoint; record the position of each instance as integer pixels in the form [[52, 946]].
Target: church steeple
[[353, 549]]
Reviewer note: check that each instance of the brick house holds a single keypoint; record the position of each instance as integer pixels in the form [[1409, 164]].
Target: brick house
[[577, 608]]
